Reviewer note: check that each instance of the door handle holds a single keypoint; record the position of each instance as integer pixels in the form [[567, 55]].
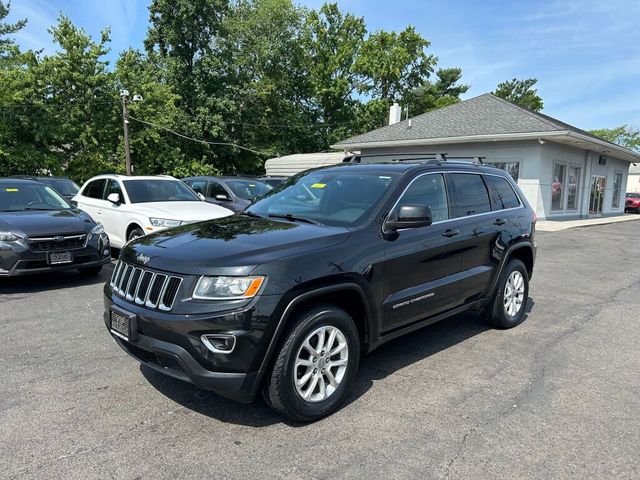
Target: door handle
[[99, 211], [449, 232], [499, 221]]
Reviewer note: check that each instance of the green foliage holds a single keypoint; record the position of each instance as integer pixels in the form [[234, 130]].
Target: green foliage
[[624, 135], [520, 92], [267, 75]]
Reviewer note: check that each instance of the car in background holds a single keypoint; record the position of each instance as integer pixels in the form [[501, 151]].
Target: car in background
[[632, 202], [272, 180], [234, 193], [66, 187], [41, 232], [130, 207]]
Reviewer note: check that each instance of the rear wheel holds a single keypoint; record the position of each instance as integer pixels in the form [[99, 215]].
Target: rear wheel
[[315, 365], [507, 307]]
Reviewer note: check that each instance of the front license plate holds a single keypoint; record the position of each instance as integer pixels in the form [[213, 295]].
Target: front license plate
[[120, 325], [57, 258]]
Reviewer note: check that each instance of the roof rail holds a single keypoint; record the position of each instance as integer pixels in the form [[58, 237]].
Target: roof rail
[[413, 157]]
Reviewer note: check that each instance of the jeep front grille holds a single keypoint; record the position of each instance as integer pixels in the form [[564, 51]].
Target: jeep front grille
[[144, 287]]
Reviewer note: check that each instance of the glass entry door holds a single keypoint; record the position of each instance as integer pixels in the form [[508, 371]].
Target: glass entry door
[[597, 195]]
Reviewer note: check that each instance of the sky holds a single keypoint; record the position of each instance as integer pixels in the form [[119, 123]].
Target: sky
[[584, 53]]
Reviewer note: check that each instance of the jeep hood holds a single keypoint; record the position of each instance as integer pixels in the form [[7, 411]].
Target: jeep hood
[[236, 241]]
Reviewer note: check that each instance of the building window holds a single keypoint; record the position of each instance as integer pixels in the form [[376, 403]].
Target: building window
[[617, 186], [557, 186], [513, 168], [572, 188]]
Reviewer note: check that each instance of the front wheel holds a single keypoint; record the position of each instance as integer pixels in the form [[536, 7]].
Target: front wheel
[[135, 233], [315, 365], [507, 307]]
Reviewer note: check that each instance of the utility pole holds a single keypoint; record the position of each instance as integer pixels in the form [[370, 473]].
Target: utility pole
[[124, 94]]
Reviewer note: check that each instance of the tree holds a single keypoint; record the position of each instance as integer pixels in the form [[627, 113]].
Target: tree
[[394, 63], [520, 92], [624, 135], [333, 41], [444, 91], [7, 45]]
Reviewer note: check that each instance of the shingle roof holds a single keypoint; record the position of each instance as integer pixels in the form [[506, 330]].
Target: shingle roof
[[482, 115]]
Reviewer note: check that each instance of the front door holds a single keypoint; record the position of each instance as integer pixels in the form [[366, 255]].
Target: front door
[[597, 195], [422, 264]]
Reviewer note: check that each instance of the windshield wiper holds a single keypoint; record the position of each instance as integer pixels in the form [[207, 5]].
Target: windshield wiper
[[293, 218]]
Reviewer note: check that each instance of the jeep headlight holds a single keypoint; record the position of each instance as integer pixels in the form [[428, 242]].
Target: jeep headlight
[[164, 222], [225, 288], [8, 237]]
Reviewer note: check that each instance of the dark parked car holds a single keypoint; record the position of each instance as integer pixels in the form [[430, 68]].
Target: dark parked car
[[632, 203], [40, 232], [272, 180], [234, 193], [285, 297], [66, 187]]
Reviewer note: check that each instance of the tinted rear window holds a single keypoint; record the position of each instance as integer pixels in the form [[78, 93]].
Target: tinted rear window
[[471, 196], [502, 195]]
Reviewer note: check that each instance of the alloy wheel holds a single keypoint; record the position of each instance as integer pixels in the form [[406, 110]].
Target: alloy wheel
[[514, 293]]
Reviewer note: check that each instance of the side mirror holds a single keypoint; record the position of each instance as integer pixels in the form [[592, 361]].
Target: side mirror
[[201, 196], [409, 216], [223, 198], [114, 198]]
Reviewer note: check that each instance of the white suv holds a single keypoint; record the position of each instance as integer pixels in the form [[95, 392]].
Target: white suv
[[131, 207]]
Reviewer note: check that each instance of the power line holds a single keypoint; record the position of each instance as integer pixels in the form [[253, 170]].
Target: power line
[[205, 142]]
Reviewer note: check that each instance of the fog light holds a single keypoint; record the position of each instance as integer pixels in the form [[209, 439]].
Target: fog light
[[219, 343], [106, 252]]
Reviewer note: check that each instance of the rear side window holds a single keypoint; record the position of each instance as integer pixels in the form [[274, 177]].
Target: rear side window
[[428, 190], [501, 192], [94, 189], [471, 196], [199, 186]]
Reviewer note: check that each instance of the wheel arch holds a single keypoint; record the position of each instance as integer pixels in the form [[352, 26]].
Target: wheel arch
[[349, 296], [523, 251], [131, 226]]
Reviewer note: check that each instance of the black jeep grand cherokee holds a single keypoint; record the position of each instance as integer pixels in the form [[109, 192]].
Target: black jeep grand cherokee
[[285, 297]]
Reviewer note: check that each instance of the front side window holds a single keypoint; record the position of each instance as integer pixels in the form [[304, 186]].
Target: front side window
[[471, 196], [557, 186], [501, 192], [94, 189], [32, 196], [428, 190], [113, 187], [617, 188], [146, 191], [336, 198], [216, 189]]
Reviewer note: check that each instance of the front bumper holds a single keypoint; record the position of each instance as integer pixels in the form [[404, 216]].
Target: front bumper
[[176, 362], [27, 262]]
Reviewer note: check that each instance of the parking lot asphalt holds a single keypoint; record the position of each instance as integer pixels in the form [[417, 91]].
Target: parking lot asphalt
[[557, 397]]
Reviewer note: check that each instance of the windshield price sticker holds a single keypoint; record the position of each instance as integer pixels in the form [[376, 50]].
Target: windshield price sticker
[[318, 185]]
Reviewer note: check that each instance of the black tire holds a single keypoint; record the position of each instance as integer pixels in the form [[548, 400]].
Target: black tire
[[495, 312], [90, 271], [279, 390], [135, 233]]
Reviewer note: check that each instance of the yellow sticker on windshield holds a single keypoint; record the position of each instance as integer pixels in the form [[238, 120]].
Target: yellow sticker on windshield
[[318, 185], [252, 184], [11, 190]]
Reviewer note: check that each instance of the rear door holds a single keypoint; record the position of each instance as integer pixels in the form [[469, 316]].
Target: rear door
[[422, 264], [90, 199], [479, 231]]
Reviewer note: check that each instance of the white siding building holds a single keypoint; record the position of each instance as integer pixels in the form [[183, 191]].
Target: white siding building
[[563, 171]]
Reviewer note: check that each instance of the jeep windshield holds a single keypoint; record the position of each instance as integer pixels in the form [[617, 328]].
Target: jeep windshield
[[146, 191], [338, 199]]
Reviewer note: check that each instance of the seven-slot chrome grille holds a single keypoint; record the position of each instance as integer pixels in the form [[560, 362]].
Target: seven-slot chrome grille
[[144, 287]]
